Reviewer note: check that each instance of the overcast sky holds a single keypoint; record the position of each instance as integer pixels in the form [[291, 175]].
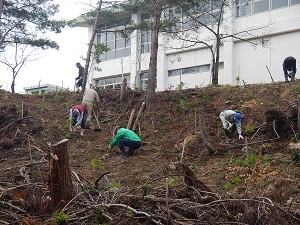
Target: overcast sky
[[56, 67]]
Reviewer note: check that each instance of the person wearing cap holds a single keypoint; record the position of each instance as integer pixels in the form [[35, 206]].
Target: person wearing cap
[[78, 116], [125, 138], [230, 118], [79, 78], [289, 68], [90, 96]]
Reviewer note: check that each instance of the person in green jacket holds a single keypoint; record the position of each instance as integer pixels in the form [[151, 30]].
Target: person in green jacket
[[125, 138]]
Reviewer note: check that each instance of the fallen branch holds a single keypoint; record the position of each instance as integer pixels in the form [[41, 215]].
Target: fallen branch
[[7, 126], [28, 164], [133, 210], [13, 206]]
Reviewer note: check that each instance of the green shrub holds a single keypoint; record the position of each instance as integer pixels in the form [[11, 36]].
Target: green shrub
[[229, 186], [145, 189], [249, 161], [114, 185], [174, 180], [67, 135], [60, 217], [295, 155], [249, 129], [95, 163]]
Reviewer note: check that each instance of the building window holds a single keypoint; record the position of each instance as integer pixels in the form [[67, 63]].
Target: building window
[[221, 65], [109, 35], [188, 70], [173, 73], [260, 6], [112, 82], [249, 7], [144, 77], [243, 8], [145, 41], [294, 2], [279, 3], [146, 34], [207, 13], [203, 68], [144, 80]]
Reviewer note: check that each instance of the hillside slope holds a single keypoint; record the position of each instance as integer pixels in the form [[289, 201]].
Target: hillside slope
[[250, 181]]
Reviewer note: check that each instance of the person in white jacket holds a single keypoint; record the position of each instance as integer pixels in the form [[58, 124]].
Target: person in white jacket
[[90, 97], [230, 118]]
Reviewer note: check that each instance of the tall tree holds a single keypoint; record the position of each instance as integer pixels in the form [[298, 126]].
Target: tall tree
[[153, 54], [89, 51], [22, 55], [158, 24], [27, 22]]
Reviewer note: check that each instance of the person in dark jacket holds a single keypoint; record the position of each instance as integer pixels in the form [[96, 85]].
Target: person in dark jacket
[[125, 138], [79, 78], [78, 117], [289, 68]]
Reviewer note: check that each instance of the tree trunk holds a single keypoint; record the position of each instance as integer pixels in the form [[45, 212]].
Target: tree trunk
[[205, 136], [215, 78], [153, 55], [12, 86], [1, 9], [60, 183], [89, 52], [124, 81]]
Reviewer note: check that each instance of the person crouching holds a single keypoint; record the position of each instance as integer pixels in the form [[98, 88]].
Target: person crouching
[[125, 138]]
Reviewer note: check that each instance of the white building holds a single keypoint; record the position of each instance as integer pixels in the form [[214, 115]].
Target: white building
[[42, 89], [251, 60]]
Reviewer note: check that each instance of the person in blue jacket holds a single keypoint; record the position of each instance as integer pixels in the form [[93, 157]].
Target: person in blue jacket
[[125, 138]]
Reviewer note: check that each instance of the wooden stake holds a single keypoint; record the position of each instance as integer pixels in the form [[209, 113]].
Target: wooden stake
[[22, 113], [29, 146], [60, 183], [298, 122], [138, 116], [130, 119], [182, 150], [43, 100]]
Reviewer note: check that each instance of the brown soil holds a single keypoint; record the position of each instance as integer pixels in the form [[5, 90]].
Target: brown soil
[[253, 181]]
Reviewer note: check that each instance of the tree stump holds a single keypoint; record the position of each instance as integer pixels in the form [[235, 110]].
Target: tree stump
[[205, 136], [60, 182]]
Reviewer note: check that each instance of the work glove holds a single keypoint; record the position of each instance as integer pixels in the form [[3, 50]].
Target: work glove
[[240, 136], [109, 146], [229, 127]]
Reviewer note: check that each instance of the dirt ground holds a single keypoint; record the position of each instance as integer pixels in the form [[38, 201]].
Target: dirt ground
[[173, 178]]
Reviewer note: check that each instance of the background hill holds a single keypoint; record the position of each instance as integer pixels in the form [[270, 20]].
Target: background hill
[[173, 178]]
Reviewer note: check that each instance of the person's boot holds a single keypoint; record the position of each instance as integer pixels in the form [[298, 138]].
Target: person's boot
[[81, 131]]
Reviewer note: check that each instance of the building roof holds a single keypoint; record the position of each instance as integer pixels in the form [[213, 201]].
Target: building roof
[[43, 86]]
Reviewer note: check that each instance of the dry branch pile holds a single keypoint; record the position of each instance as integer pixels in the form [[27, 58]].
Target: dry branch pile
[[190, 202]]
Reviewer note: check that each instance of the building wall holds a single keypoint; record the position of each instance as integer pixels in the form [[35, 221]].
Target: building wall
[[242, 60], [251, 62]]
